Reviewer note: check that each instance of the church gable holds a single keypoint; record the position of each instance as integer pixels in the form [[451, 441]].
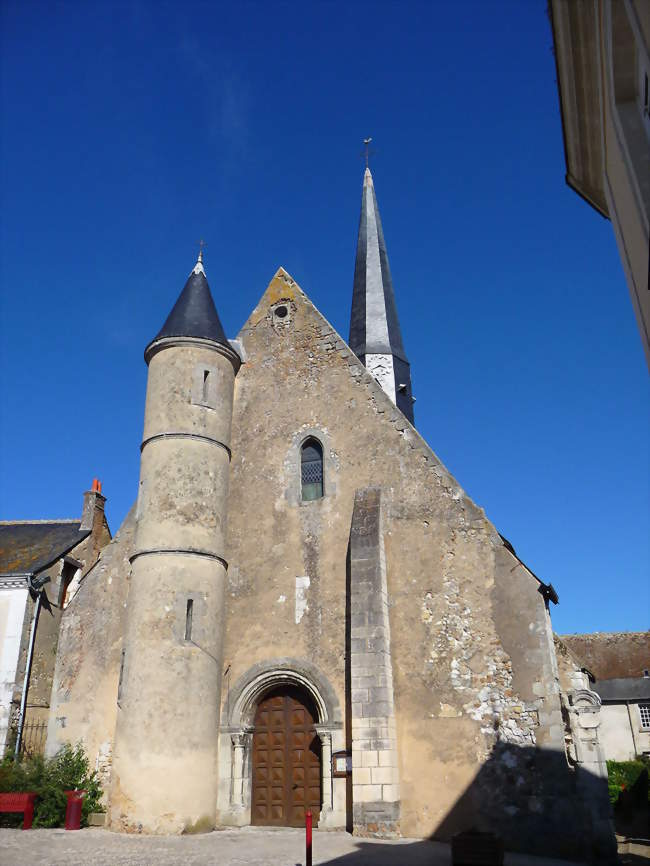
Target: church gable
[[308, 362], [469, 629]]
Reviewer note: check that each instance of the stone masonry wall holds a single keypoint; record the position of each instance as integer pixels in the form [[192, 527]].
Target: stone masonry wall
[[37, 708], [85, 687], [476, 697]]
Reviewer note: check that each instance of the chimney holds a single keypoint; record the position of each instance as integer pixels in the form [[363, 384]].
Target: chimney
[[92, 516]]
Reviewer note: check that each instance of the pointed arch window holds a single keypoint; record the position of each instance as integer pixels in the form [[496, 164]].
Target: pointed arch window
[[311, 469]]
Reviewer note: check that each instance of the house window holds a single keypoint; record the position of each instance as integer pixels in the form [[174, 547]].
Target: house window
[[644, 713], [69, 572], [311, 470]]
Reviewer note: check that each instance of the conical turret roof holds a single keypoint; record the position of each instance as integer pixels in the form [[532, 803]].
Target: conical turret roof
[[194, 313], [374, 326]]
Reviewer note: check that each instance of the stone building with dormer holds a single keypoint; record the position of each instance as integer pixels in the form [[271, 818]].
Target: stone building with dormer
[[42, 563]]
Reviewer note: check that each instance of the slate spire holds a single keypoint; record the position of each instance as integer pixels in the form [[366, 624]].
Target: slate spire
[[194, 313], [375, 335]]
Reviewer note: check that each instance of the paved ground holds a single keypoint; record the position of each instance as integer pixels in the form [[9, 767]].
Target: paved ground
[[246, 847]]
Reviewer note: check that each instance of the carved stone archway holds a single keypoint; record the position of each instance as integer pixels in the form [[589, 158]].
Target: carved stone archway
[[243, 699]]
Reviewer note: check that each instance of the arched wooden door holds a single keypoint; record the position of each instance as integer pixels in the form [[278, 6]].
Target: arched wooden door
[[286, 760]]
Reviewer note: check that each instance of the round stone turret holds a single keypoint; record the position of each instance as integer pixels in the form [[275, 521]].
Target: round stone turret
[[165, 763]]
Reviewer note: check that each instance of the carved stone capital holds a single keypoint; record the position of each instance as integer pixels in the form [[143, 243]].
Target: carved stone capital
[[324, 735], [241, 739]]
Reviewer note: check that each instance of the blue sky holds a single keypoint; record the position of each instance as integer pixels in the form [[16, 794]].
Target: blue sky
[[131, 130]]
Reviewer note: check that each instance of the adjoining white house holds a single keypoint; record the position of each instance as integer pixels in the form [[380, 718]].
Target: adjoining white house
[[618, 664], [625, 717]]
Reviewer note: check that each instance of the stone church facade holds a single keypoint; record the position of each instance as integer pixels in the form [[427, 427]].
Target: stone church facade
[[305, 610]]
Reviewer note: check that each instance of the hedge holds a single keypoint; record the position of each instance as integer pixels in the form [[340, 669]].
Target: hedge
[[68, 770], [622, 775]]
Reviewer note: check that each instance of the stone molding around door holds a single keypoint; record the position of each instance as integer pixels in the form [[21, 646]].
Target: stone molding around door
[[236, 737]]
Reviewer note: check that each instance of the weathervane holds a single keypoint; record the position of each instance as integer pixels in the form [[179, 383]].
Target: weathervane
[[202, 244], [366, 149]]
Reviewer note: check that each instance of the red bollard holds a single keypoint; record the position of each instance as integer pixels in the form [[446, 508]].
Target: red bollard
[[73, 809], [308, 837]]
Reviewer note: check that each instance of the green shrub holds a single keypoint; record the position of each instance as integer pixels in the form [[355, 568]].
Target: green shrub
[[622, 774], [68, 770]]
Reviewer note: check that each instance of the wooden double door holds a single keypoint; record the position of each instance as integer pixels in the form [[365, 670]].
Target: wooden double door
[[286, 760]]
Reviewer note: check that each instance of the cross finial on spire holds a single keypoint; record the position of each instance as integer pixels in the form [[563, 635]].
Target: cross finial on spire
[[366, 149], [198, 267]]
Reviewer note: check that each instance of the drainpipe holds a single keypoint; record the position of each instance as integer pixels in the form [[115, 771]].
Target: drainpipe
[[635, 745], [28, 665]]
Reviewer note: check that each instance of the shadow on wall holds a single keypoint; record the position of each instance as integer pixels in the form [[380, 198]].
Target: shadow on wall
[[538, 805], [529, 797]]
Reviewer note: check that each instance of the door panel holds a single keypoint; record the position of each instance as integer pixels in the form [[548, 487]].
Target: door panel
[[286, 760]]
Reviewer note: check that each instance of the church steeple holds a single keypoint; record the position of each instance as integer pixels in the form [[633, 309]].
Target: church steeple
[[375, 335]]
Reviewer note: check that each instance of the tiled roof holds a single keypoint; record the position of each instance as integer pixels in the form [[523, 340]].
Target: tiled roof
[[27, 547], [611, 655]]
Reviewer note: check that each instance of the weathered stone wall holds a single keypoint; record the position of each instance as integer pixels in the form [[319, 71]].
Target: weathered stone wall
[[479, 725], [169, 709], [37, 708], [84, 691], [477, 709]]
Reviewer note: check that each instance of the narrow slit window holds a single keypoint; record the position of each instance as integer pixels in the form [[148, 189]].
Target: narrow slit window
[[188, 618], [311, 470], [206, 385], [121, 680]]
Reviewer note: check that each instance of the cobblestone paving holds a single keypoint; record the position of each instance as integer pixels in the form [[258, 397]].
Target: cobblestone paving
[[245, 847]]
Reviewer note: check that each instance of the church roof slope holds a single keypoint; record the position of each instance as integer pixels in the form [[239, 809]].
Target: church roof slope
[[27, 547], [194, 314], [611, 655]]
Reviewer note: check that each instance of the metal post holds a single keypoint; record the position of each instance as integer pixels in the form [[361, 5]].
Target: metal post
[[308, 837], [28, 668]]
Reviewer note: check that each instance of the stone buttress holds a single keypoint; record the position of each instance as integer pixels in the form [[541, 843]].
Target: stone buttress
[[375, 773]]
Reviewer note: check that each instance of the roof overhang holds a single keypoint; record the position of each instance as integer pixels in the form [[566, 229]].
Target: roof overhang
[[16, 580], [576, 48], [623, 689]]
